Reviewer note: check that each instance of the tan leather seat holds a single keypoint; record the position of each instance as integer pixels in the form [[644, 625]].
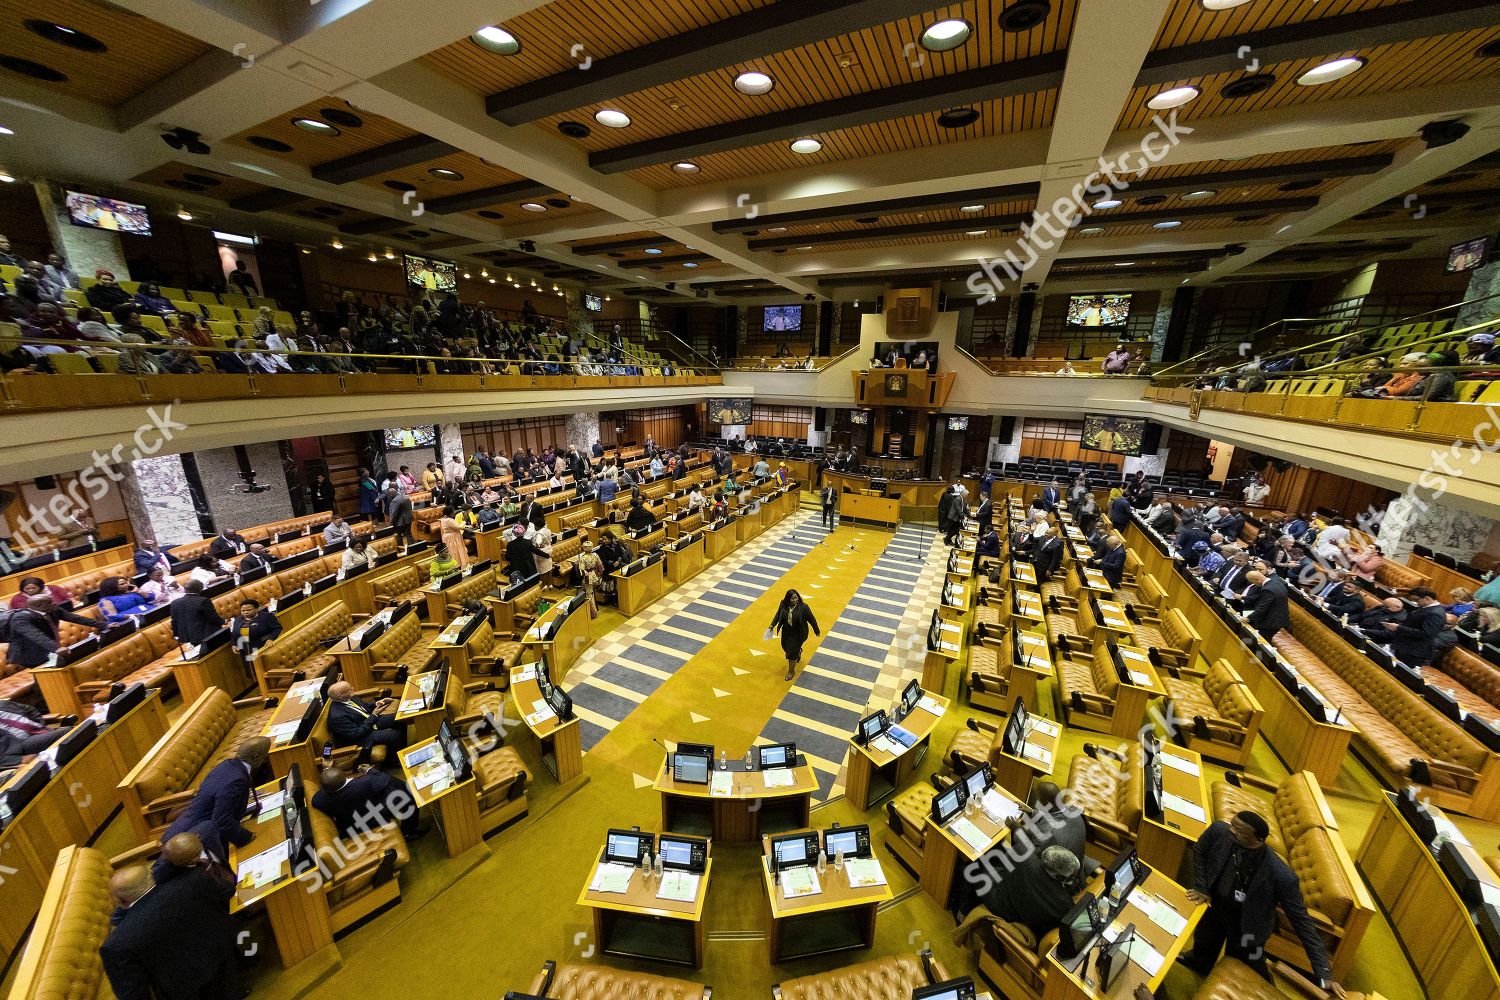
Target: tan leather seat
[[299, 652], [144, 657], [907, 814], [1107, 787], [600, 982], [403, 646], [1007, 953], [61, 960], [1290, 808], [892, 978], [1173, 637], [360, 872], [1472, 680], [1217, 713]]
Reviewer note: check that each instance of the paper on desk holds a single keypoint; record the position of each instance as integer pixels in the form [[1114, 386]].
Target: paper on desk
[[429, 776], [1180, 763], [1178, 804], [283, 732], [1042, 726], [863, 872], [537, 718], [779, 777], [1039, 754], [885, 744], [271, 801], [1131, 654], [1139, 678], [413, 705], [540, 705], [931, 705], [527, 673], [1159, 912], [610, 877], [679, 886], [722, 783], [1142, 954], [799, 882], [948, 647], [999, 808], [969, 833], [263, 868]]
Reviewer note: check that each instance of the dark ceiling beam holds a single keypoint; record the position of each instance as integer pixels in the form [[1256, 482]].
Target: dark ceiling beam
[[890, 206], [745, 37], [267, 200], [497, 194], [975, 86], [634, 244], [1315, 37], [1352, 166], [677, 259], [369, 226], [1199, 212], [746, 283], [1063, 269], [893, 232], [382, 159]]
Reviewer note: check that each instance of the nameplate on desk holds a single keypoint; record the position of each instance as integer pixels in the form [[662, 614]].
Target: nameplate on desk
[[970, 834], [1182, 764], [1041, 755], [1046, 728], [949, 647], [283, 733], [1183, 807], [864, 873], [779, 777]]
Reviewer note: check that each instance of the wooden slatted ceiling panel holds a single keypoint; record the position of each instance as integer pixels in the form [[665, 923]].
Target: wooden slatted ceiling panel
[[309, 148], [1187, 22], [603, 27], [140, 51], [644, 234], [1426, 62], [812, 74], [1293, 157], [1003, 117], [1228, 197], [1188, 226], [514, 214], [979, 220], [476, 174], [226, 188], [308, 210]]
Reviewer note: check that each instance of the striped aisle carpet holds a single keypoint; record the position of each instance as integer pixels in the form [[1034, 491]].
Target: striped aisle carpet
[[622, 669], [822, 708]]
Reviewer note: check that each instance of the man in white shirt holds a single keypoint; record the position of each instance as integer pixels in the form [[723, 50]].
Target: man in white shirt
[[1256, 491], [1332, 541], [456, 470], [281, 344]]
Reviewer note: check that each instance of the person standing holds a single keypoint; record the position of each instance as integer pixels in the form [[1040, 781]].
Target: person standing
[[793, 619], [398, 512], [1412, 639], [950, 514], [367, 493], [590, 569], [829, 497], [1266, 604], [173, 939], [453, 535], [321, 493]]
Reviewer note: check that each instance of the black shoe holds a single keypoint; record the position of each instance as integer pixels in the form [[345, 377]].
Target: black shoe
[[416, 834]]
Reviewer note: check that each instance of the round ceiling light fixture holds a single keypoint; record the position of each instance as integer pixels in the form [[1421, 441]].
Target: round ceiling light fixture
[[444, 174], [1222, 4], [341, 117], [1176, 97], [1107, 203], [1247, 86], [267, 143], [685, 167], [1024, 15], [805, 146], [495, 39], [33, 69], [971, 209], [533, 206], [1199, 195], [946, 35], [64, 35], [574, 130], [316, 127], [1169, 224], [754, 83], [958, 118], [1331, 71], [611, 118]]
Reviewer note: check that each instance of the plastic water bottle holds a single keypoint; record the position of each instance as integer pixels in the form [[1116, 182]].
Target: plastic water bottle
[[822, 860], [838, 861], [747, 760], [646, 863], [656, 865], [723, 761]]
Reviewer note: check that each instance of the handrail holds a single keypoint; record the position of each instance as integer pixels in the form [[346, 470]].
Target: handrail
[[1352, 373], [827, 361], [994, 374]]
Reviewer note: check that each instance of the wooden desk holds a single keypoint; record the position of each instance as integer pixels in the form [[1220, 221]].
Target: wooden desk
[[1113, 624], [1021, 572], [646, 544], [454, 644], [751, 522], [286, 750], [565, 642], [847, 915], [1015, 772], [457, 811], [875, 774], [1074, 979], [718, 542], [685, 560], [1094, 580], [1033, 666], [558, 742], [1430, 919], [1028, 607], [881, 511], [297, 906], [638, 923], [937, 661], [422, 722], [736, 818], [641, 587], [946, 849], [222, 668], [1166, 844], [1132, 697], [956, 595]]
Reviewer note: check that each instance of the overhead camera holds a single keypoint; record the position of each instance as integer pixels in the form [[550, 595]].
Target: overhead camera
[[185, 139], [1436, 134], [808, 297], [527, 246], [1030, 286]]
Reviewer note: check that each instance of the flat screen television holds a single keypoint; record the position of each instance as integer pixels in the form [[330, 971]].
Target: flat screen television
[[411, 437], [860, 418], [958, 423], [593, 303], [1116, 435], [1468, 255], [1104, 312], [781, 319], [98, 212], [730, 409], [433, 275]]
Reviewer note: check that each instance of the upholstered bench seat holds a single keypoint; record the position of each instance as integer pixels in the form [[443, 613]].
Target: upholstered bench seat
[[892, 978], [601, 982]]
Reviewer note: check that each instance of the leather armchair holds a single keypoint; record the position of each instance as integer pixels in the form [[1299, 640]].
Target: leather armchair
[[1006, 953], [891, 978], [599, 982], [359, 873]]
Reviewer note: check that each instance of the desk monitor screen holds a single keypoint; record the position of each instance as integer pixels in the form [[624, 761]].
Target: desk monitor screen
[[130, 698], [1079, 926], [872, 726], [297, 822], [946, 805], [1121, 876], [25, 788], [776, 755], [977, 781], [910, 696], [1014, 737], [691, 767], [625, 847], [687, 854], [850, 841], [72, 745], [455, 752], [954, 989], [1113, 958], [793, 850]]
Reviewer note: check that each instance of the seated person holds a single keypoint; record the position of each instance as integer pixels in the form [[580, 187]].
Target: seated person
[[228, 543], [1392, 609], [211, 569], [257, 557], [1347, 599], [443, 565], [24, 733], [347, 799], [335, 531], [119, 600], [62, 597], [989, 543], [1036, 892], [356, 723], [254, 626], [161, 587]]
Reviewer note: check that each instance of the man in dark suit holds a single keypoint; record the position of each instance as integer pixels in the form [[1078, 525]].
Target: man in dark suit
[[257, 557], [1051, 496], [534, 514], [1266, 603], [174, 940], [1347, 599], [950, 513], [1412, 640], [1037, 892], [398, 512], [1234, 576], [33, 630], [1046, 556], [984, 514], [1372, 622], [1112, 563], [356, 723], [1230, 524], [227, 543], [194, 617], [345, 798], [829, 498], [1245, 883], [321, 493], [224, 799]]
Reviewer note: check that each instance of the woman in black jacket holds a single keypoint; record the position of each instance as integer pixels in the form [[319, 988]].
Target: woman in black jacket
[[792, 620]]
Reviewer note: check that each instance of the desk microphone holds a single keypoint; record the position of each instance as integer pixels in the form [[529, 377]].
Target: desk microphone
[[663, 749]]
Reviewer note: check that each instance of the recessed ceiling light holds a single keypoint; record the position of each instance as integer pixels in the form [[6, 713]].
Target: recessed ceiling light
[[653, 250], [1222, 4], [573, 130], [337, 244], [533, 206], [264, 142], [777, 229], [443, 173], [6, 178], [1174, 98], [1489, 50], [341, 117], [804, 248], [958, 118], [688, 263], [64, 35], [754, 83], [1124, 263], [7, 131], [1247, 86], [1169, 224], [316, 127], [946, 35], [611, 118], [1330, 71], [373, 257], [972, 208], [184, 214], [1091, 230], [976, 232], [1024, 15], [390, 254], [685, 167], [1197, 195], [1107, 203], [496, 40], [806, 146], [33, 69]]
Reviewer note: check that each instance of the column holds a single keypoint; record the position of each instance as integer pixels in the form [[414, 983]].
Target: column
[[136, 510], [169, 506], [450, 443], [1007, 450], [580, 320], [229, 475], [1409, 521], [1483, 283], [835, 345], [583, 431], [1161, 323], [86, 249], [1011, 315]]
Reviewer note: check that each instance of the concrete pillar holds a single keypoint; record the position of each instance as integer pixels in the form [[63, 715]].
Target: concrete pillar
[[450, 443], [128, 486], [1009, 450], [86, 249], [1407, 522], [1010, 323], [580, 320], [1484, 282], [1160, 324], [166, 505], [225, 485], [583, 431]]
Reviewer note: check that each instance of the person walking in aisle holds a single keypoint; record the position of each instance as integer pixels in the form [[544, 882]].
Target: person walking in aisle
[[830, 496], [793, 618]]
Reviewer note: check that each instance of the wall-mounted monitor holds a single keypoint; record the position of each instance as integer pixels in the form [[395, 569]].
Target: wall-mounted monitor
[[433, 275], [593, 303], [781, 319], [1116, 435], [97, 212], [1468, 255], [958, 423], [860, 418], [730, 409], [1108, 312], [411, 437]]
